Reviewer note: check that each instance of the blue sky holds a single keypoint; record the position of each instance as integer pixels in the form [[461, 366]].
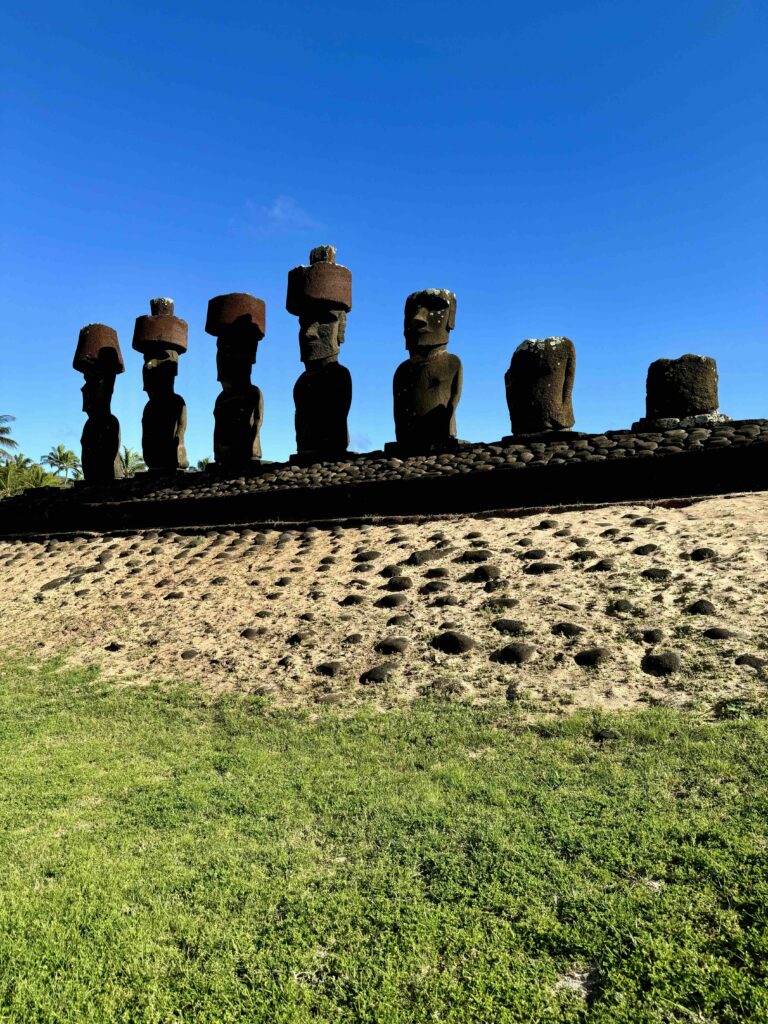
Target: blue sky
[[593, 169]]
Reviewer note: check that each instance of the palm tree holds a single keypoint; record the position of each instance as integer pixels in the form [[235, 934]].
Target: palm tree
[[132, 461], [62, 460], [202, 463], [20, 461], [7, 443]]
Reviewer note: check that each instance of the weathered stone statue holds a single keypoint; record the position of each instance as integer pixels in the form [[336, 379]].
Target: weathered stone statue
[[99, 359], [539, 383], [320, 295], [681, 392], [238, 321], [162, 338], [427, 386]]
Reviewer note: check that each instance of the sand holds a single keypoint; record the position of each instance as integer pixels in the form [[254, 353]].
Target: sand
[[157, 607]]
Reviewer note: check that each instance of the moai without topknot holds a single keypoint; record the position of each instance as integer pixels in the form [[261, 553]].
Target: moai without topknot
[[681, 392], [162, 338], [99, 359], [539, 386], [238, 322], [427, 386], [320, 295]]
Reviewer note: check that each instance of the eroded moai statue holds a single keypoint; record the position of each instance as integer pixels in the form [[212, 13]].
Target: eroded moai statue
[[238, 322], [427, 386], [99, 359], [681, 391], [320, 295], [539, 384], [162, 338]]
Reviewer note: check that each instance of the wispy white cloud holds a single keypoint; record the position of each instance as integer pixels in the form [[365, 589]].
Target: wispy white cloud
[[283, 215]]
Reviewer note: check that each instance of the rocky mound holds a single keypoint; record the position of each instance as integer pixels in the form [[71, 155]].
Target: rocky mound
[[599, 608]]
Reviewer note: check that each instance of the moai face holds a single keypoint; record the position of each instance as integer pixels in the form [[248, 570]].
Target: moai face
[[97, 394], [233, 366], [159, 372], [430, 316], [321, 333]]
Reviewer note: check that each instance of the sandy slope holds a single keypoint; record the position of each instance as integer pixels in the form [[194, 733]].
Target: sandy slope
[[175, 606]]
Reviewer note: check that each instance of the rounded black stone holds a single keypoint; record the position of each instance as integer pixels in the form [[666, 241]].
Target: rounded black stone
[[661, 664], [569, 629], [367, 556], [483, 574], [189, 654], [473, 556], [391, 570], [718, 633], [592, 657], [392, 645], [541, 568], [510, 627], [514, 654], [656, 573], [582, 555], [251, 632], [653, 636], [329, 668], [434, 587], [399, 583], [438, 573], [604, 565], [353, 638], [351, 599], [703, 554], [446, 601], [751, 660], [499, 603], [452, 642], [702, 607], [534, 553], [379, 673], [645, 549], [392, 601], [400, 620]]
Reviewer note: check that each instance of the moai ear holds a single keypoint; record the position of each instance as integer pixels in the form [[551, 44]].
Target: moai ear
[[342, 327], [452, 313]]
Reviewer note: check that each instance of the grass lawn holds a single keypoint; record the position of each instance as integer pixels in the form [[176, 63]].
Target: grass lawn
[[169, 857]]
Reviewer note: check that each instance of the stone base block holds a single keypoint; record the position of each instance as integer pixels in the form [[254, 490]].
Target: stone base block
[[705, 419]]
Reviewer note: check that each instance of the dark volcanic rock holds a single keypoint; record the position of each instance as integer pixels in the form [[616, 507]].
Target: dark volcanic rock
[[653, 636], [330, 668], [701, 607], [569, 629], [399, 583], [541, 568], [751, 660], [514, 654], [511, 627], [703, 554], [656, 573], [592, 657], [718, 633], [392, 601], [392, 645], [453, 643], [379, 673], [661, 664]]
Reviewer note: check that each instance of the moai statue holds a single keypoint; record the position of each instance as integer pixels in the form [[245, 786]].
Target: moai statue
[[99, 359], [320, 295], [427, 386], [539, 383], [681, 392], [162, 338], [238, 322]]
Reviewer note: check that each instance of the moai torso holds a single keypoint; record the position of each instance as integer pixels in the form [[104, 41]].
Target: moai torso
[[162, 432], [100, 442], [323, 397], [426, 394], [238, 418], [539, 385]]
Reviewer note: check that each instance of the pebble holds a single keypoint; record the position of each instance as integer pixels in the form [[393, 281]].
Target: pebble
[[664, 663], [592, 657], [453, 642], [514, 654]]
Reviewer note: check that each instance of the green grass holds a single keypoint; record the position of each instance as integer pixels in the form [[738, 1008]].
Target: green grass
[[168, 857]]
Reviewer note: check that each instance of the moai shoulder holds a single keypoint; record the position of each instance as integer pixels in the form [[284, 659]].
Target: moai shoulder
[[539, 386]]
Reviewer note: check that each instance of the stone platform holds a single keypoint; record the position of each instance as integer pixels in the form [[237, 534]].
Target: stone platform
[[516, 472]]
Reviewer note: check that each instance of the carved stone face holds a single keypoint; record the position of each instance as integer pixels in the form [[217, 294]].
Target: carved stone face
[[159, 372], [97, 393], [233, 370], [430, 316], [321, 333]]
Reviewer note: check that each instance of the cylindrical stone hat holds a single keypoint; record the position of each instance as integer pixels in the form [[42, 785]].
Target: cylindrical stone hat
[[98, 350], [238, 313], [324, 280], [162, 328]]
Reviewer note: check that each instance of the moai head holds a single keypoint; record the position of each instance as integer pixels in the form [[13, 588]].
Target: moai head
[[539, 385], [679, 388], [97, 393], [239, 322], [99, 359], [160, 368], [430, 316], [320, 295]]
